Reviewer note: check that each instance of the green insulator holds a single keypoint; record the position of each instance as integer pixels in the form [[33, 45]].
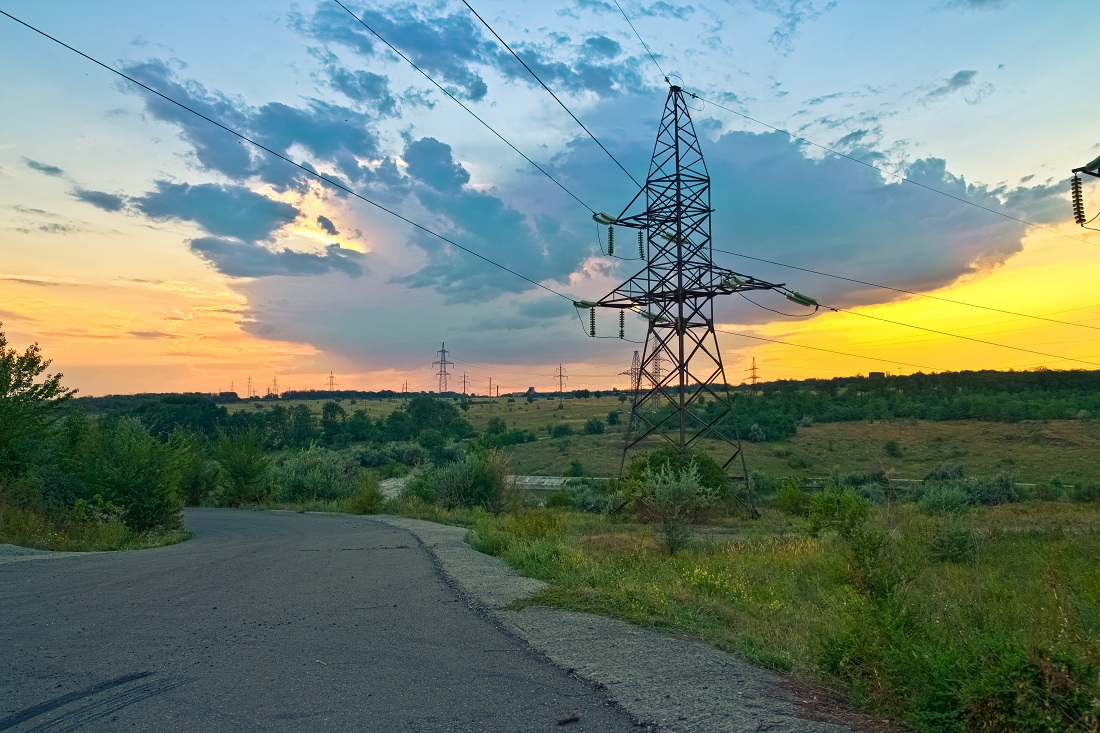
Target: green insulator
[[610, 240], [602, 218], [797, 297], [584, 304], [622, 325], [641, 245], [591, 321]]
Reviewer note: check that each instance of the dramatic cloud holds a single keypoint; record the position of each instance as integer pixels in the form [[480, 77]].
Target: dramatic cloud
[[328, 133], [49, 170], [445, 46], [327, 226], [236, 258], [231, 211], [430, 161]]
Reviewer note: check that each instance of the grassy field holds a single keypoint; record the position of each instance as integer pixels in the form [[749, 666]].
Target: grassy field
[[906, 449]]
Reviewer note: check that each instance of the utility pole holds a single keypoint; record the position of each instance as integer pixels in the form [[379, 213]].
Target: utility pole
[[463, 384], [674, 291], [443, 364], [752, 372], [561, 386], [490, 388]]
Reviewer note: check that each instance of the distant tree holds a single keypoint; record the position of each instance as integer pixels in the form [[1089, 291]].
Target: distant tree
[[594, 426], [333, 417], [613, 417], [303, 426], [496, 425], [582, 394]]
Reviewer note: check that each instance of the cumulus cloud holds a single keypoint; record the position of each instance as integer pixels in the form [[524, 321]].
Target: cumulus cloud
[[49, 170], [238, 258], [231, 211]]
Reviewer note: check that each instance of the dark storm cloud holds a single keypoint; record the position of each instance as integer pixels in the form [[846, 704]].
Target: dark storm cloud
[[100, 199], [327, 226], [237, 258], [49, 170], [364, 87], [230, 211]]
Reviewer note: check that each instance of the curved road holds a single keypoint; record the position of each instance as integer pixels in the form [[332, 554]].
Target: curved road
[[268, 622]]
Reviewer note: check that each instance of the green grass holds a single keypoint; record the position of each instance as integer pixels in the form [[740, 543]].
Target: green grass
[[1005, 641], [32, 529]]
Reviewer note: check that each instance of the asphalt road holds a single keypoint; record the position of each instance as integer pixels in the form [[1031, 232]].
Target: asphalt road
[[268, 622]]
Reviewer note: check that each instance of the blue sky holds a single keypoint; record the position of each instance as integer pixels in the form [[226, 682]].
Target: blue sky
[[142, 241]]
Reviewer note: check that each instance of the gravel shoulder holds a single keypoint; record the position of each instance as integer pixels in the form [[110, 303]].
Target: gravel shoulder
[[676, 683]]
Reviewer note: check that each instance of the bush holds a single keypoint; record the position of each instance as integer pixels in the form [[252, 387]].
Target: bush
[[614, 417], [481, 480], [838, 509], [671, 497], [561, 430], [942, 500], [244, 467], [1001, 489], [198, 472], [1085, 491], [945, 472], [790, 498], [315, 474], [711, 474], [368, 497], [954, 541], [592, 496], [892, 449], [131, 469], [594, 426]]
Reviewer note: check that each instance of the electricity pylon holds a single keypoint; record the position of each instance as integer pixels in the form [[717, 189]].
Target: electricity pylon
[[561, 377], [675, 290], [443, 364]]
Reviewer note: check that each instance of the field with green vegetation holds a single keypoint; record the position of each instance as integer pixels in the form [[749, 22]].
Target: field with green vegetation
[[928, 546]]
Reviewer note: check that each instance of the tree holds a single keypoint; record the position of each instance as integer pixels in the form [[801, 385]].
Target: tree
[[26, 406], [332, 421]]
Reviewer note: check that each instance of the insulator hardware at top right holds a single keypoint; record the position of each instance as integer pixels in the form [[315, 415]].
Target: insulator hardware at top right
[[610, 240], [1078, 200]]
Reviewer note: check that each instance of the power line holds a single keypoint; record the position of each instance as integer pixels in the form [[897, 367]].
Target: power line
[[261, 146], [828, 351], [463, 106], [899, 176], [551, 93], [639, 35], [907, 292]]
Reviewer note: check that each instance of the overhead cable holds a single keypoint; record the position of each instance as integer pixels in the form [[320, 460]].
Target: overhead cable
[[551, 93], [457, 101], [319, 176]]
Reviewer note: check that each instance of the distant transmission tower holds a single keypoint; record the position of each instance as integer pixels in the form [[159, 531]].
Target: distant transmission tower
[[752, 372], [332, 385], [681, 362], [561, 376], [443, 364], [248, 388]]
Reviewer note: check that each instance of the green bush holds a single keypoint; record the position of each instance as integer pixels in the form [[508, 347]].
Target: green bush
[[131, 469], [198, 472], [710, 473], [838, 509], [481, 480], [1085, 491], [245, 466], [368, 497], [314, 474], [561, 430], [790, 497], [594, 426], [940, 500], [892, 449], [1001, 489], [671, 497], [954, 541]]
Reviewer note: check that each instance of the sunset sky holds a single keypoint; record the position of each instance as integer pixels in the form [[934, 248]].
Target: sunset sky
[[146, 250]]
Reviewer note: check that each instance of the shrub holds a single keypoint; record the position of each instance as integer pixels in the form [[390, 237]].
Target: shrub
[[711, 474], [614, 417], [244, 467], [671, 497], [481, 480], [561, 430], [1052, 490], [592, 496], [496, 426], [132, 470], [368, 497], [838, 509], [954, 541], [892, 449], [1085, 491], [941, 500], [315, 474], [1001, 489], [594, 426], [945, 472], [198, 472], [790, 498]]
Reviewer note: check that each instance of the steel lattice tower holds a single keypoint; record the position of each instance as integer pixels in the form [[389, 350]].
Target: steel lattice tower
[[681, 363], [443, 364]]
